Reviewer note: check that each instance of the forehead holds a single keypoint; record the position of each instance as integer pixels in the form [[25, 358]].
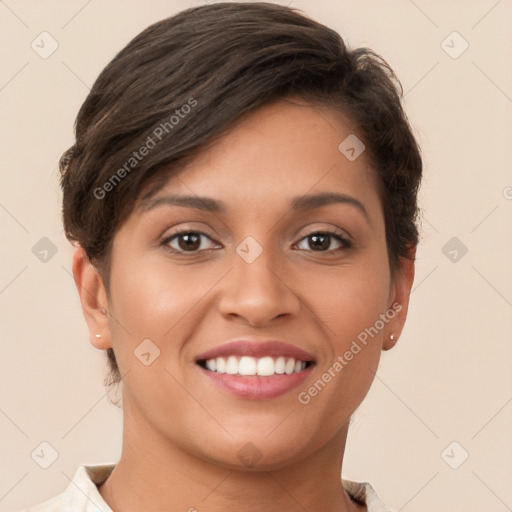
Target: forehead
[[284, 148]]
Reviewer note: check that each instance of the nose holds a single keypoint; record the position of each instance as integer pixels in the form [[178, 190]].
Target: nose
[[258, 292]]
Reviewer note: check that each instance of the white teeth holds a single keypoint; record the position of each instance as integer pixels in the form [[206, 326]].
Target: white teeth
[[279, 365], [263, 367], [247, 366], [289, 366], [221, 364], [232, 365]]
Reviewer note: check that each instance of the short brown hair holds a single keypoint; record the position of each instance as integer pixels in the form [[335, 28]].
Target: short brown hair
[[221, 62]]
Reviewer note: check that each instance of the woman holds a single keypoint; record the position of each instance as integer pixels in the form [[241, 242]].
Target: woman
[[242, 197]]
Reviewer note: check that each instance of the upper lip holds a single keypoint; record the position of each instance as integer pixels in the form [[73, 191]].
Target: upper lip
[[256, 348]]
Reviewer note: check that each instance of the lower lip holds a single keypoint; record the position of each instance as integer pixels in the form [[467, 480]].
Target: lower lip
[[257, 388]]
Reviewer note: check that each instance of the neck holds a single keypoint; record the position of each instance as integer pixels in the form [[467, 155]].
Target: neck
[[157, 475]]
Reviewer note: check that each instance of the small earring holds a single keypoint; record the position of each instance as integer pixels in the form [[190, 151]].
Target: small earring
[[103, 310], [98, 335], [392, 337]]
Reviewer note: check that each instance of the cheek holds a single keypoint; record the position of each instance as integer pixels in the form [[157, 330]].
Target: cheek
[[344, 377], [350, 307], [150, 301], [350, 299], [150, 298]]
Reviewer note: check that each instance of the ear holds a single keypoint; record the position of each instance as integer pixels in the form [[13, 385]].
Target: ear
[[93, 297], [399, 299]]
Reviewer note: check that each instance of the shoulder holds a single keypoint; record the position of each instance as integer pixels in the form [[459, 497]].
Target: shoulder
[[56, 504], [81, 494]]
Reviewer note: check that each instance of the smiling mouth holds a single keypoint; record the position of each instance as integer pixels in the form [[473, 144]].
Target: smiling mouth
[[255, 366]]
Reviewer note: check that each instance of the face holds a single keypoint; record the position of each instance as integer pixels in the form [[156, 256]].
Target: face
[[266, 255]]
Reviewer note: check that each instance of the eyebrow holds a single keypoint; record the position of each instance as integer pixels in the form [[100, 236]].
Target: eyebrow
[[299, 203]]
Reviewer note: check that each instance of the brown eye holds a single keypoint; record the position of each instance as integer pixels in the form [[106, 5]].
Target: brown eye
[[187, 241], [322, 241]]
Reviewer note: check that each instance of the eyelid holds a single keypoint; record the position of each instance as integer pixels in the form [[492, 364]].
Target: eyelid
[[332, 229]]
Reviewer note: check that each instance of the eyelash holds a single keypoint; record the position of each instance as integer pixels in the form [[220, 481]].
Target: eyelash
[[347, 244]]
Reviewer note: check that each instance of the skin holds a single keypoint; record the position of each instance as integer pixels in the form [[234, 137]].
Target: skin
[[181, 434]]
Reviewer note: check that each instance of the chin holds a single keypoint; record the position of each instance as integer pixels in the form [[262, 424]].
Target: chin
[[259, 452]]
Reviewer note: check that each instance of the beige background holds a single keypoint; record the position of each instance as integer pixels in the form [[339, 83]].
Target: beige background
[[449, 378]]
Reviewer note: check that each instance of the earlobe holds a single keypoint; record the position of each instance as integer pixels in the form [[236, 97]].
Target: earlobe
[[389, 342], [93, 298], [401, 291]]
